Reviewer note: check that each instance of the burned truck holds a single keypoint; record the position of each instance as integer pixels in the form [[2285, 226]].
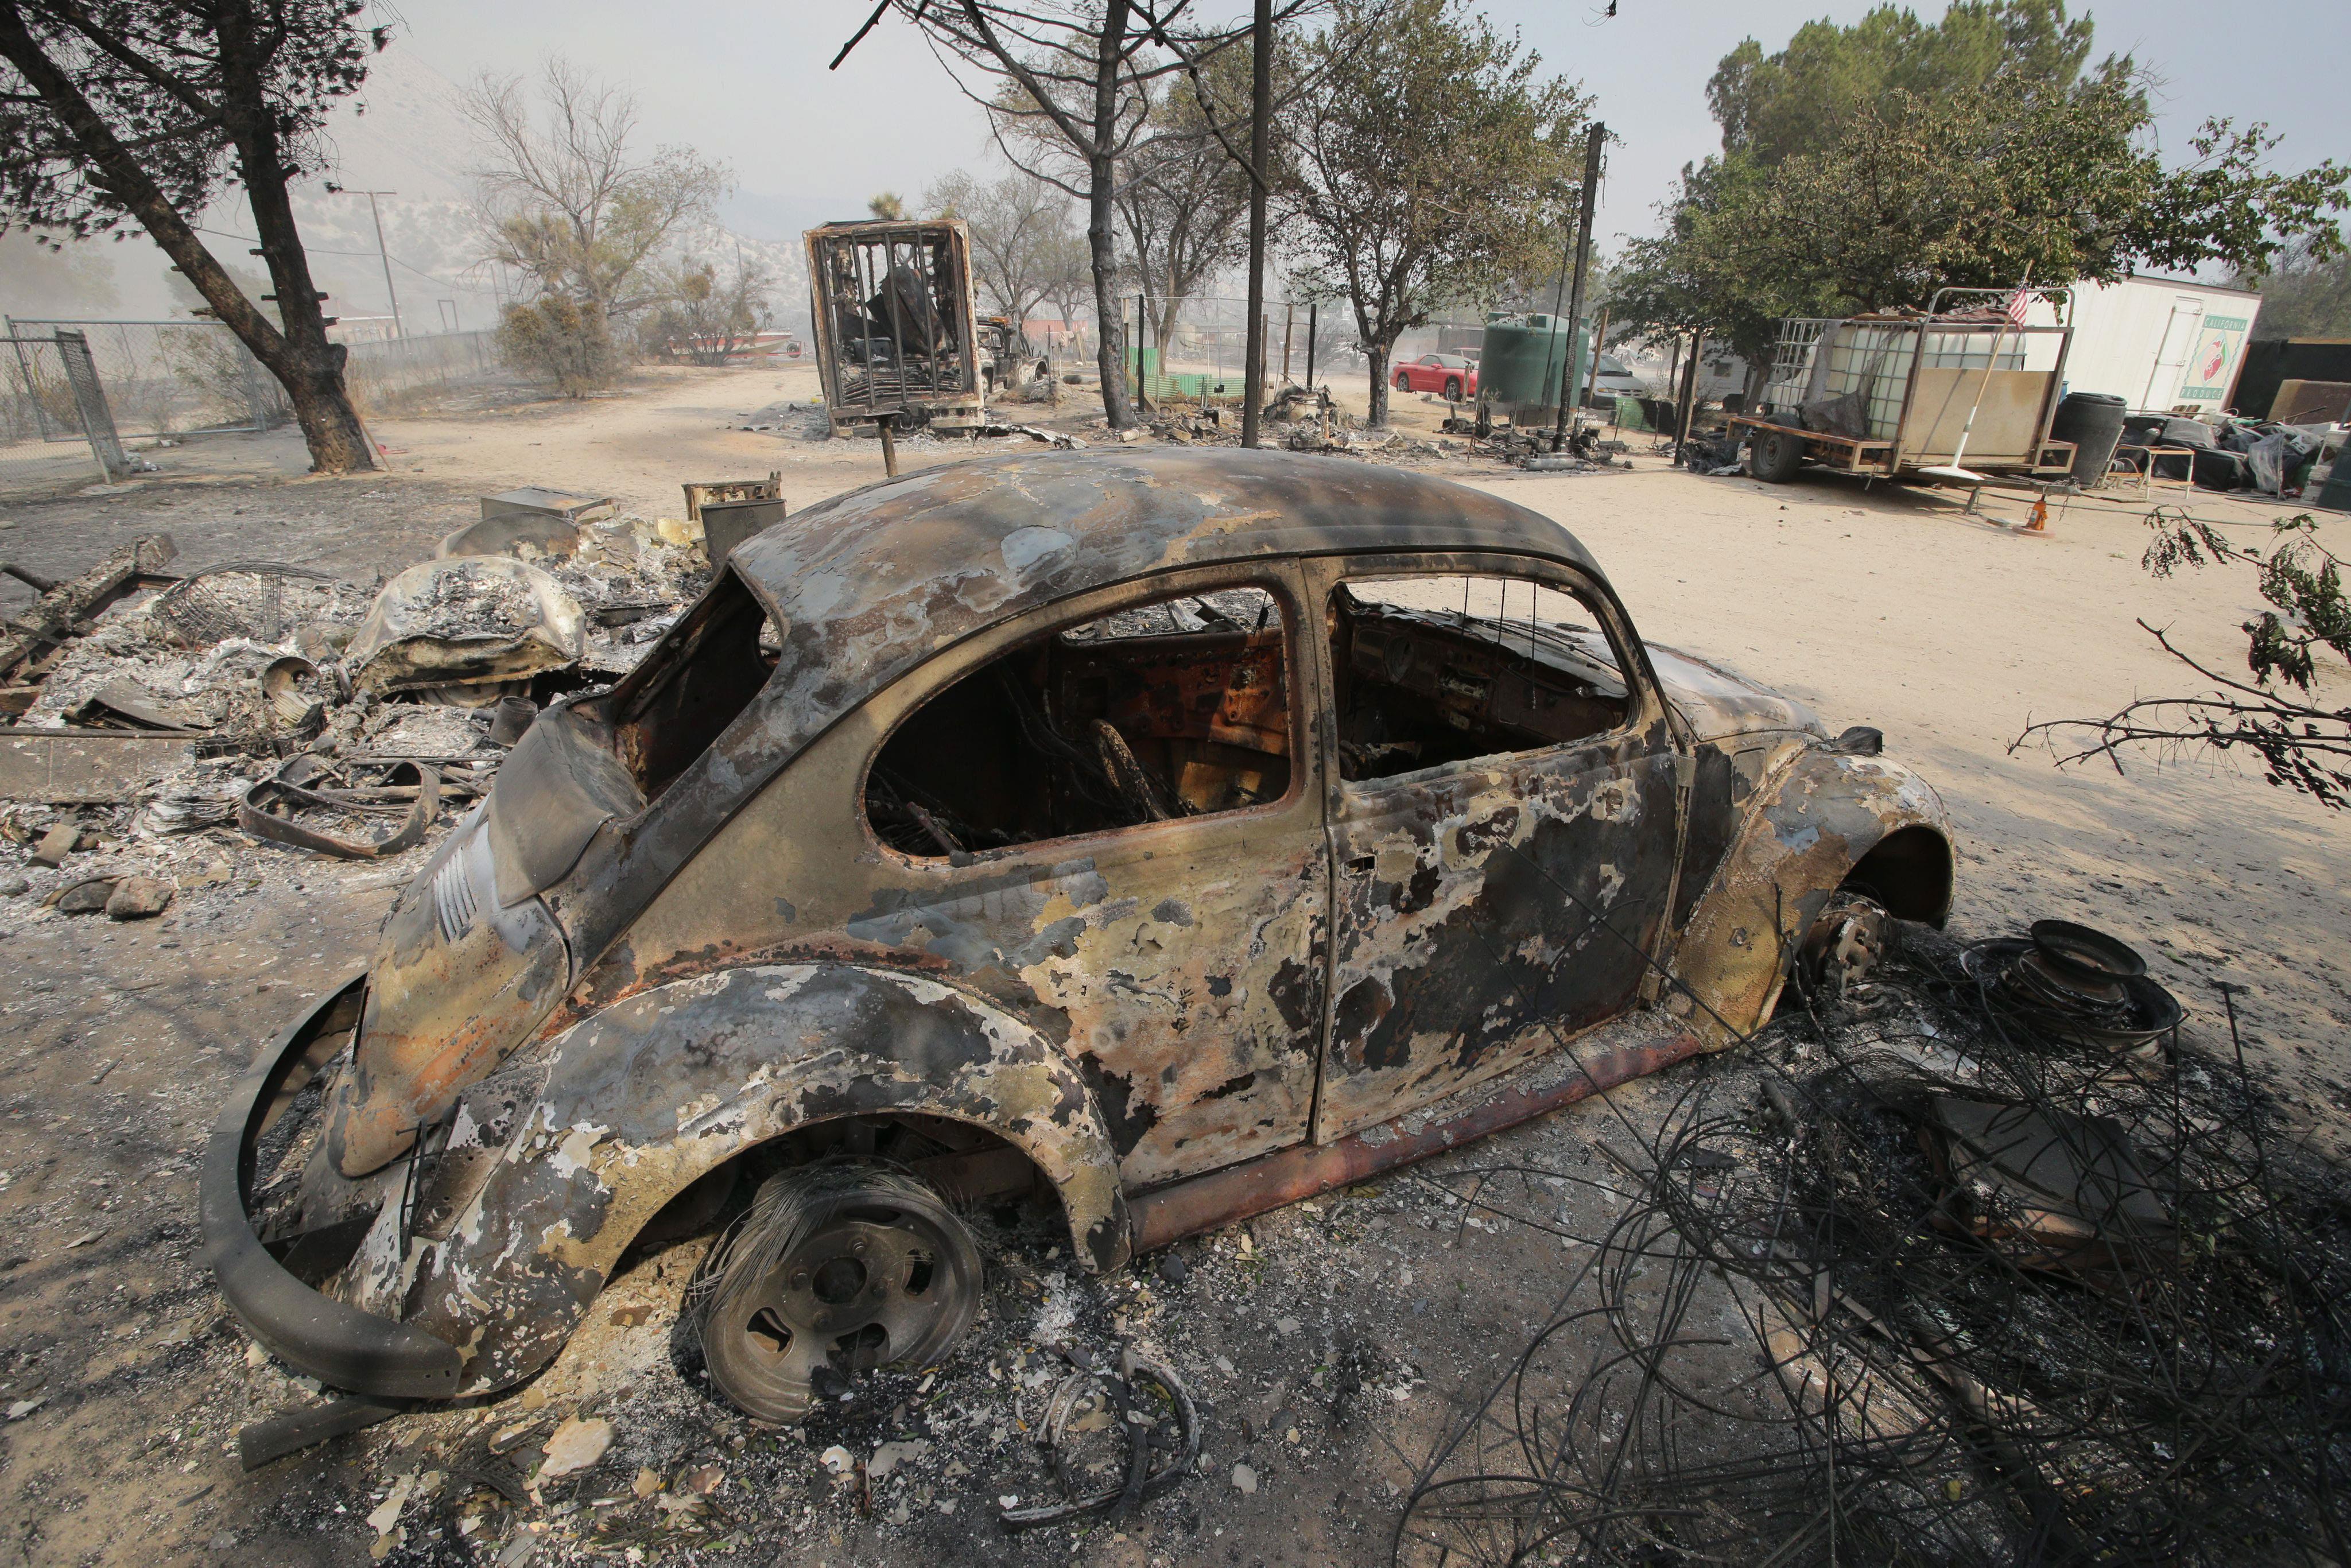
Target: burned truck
[[1158, 836]]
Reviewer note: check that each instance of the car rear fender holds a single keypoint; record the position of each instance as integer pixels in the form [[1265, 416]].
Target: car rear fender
[[1815, 817], [629, 1107]]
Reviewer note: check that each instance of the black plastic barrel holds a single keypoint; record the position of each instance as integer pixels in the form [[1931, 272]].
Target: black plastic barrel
[[2093, 421]]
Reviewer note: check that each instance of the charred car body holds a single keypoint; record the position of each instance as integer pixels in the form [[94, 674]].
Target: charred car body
[[1170, 834]]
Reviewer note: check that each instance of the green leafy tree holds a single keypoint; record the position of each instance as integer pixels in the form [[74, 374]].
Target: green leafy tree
[[1808, 97], [1958, 155], [1429, 164], [2296, 652], [145, 112]]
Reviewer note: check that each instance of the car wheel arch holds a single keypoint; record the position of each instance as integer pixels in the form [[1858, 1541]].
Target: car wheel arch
[[613, 1135], [1816, 825]]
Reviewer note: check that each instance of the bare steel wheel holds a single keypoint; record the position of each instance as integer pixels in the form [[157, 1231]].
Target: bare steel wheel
[[846, 1266], [1847, 939]]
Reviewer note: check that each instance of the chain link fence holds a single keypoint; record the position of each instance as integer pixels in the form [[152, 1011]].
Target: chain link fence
[[173, 378], [1194, 348], [82, 401], [393, 375]]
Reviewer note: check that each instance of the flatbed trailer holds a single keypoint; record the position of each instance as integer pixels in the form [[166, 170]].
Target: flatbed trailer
[[1924, 391]]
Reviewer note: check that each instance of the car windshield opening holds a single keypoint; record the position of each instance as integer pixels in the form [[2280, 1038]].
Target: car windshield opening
[[1432, 670], [670, 709], [1179, 707]]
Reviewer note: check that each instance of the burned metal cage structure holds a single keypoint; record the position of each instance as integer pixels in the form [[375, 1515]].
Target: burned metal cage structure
[[896, 338]]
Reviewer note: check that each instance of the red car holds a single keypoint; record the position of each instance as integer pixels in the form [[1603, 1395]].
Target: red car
[[1449, 376]]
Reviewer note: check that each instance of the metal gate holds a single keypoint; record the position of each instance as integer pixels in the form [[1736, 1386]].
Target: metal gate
[[56, 427], [172, 378]]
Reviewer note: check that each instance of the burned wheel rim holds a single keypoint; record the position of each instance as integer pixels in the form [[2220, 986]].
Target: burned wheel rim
[[844, 1268]]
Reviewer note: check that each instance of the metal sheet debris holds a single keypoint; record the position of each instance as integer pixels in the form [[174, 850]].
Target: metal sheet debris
[[85, 766]]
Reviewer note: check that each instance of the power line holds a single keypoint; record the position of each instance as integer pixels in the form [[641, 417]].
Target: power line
[[361, 255]]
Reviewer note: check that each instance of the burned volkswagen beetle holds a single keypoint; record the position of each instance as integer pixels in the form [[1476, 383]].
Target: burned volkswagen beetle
[[1166, 835]]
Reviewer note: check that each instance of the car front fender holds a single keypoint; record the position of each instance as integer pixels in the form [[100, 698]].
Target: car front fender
[[1809, 825], [630, 1106]]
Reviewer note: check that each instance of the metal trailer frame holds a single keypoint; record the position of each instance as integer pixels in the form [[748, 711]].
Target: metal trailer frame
[[1888, 458], [851, 264]]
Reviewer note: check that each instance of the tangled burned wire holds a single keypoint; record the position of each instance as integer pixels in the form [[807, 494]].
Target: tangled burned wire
[[1915, 1277]]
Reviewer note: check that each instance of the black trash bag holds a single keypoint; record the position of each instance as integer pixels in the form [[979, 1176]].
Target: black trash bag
[[2192, 433], [2217, 470]]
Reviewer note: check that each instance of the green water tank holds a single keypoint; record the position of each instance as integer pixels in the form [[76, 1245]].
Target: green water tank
[[1520, 365]]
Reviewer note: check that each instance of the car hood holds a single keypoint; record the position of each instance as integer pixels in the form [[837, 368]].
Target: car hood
[[1717, 704]]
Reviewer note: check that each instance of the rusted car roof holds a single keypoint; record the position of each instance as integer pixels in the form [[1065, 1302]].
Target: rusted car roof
[[947, 551]]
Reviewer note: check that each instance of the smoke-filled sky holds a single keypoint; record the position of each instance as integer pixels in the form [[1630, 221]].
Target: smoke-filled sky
[[745, 80]]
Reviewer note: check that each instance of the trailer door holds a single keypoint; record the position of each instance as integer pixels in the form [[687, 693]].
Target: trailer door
[[2171, 359]]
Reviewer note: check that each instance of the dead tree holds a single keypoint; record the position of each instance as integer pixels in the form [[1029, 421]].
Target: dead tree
[[145, 109], [1072, 78], [2277, 715]]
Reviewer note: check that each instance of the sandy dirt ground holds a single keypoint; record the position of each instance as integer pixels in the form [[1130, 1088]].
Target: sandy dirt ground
[[1344, 1335]]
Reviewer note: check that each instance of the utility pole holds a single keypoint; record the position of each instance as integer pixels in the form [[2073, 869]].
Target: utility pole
[[382, 255], [1260, 112], [1592, 142]]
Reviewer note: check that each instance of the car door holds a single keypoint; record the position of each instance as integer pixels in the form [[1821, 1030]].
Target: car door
[[1503, 821], [1163, 903]]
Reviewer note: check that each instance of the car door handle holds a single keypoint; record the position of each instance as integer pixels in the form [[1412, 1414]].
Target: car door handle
[[1362, 862]]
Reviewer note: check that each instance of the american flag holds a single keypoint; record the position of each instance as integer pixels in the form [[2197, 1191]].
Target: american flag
[[2018, 304]]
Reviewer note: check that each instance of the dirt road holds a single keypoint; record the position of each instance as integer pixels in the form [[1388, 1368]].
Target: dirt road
[[123, 1380]]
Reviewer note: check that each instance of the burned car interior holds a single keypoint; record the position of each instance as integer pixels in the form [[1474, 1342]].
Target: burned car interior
[[1175, 708], [1433, 670]]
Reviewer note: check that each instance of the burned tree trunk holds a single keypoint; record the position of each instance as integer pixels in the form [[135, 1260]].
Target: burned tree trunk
[[1101, 213], [1375, 354]]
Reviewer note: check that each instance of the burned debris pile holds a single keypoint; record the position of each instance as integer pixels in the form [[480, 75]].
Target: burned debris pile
[[1974, 1263], [174, 720]]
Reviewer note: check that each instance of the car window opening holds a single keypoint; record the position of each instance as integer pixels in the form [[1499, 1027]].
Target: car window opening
[[1175, 708], [1432, 670], [678, 701]]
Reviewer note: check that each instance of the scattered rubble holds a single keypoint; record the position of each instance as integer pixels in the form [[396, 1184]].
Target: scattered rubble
[[308, 711]]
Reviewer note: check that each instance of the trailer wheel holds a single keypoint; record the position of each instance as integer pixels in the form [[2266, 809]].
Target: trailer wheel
[[1774, 456]]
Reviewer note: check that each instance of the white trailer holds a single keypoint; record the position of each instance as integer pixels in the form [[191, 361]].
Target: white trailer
[[2161, 345]]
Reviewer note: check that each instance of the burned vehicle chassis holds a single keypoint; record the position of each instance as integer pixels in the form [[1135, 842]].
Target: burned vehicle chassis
[[1145, 830]]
